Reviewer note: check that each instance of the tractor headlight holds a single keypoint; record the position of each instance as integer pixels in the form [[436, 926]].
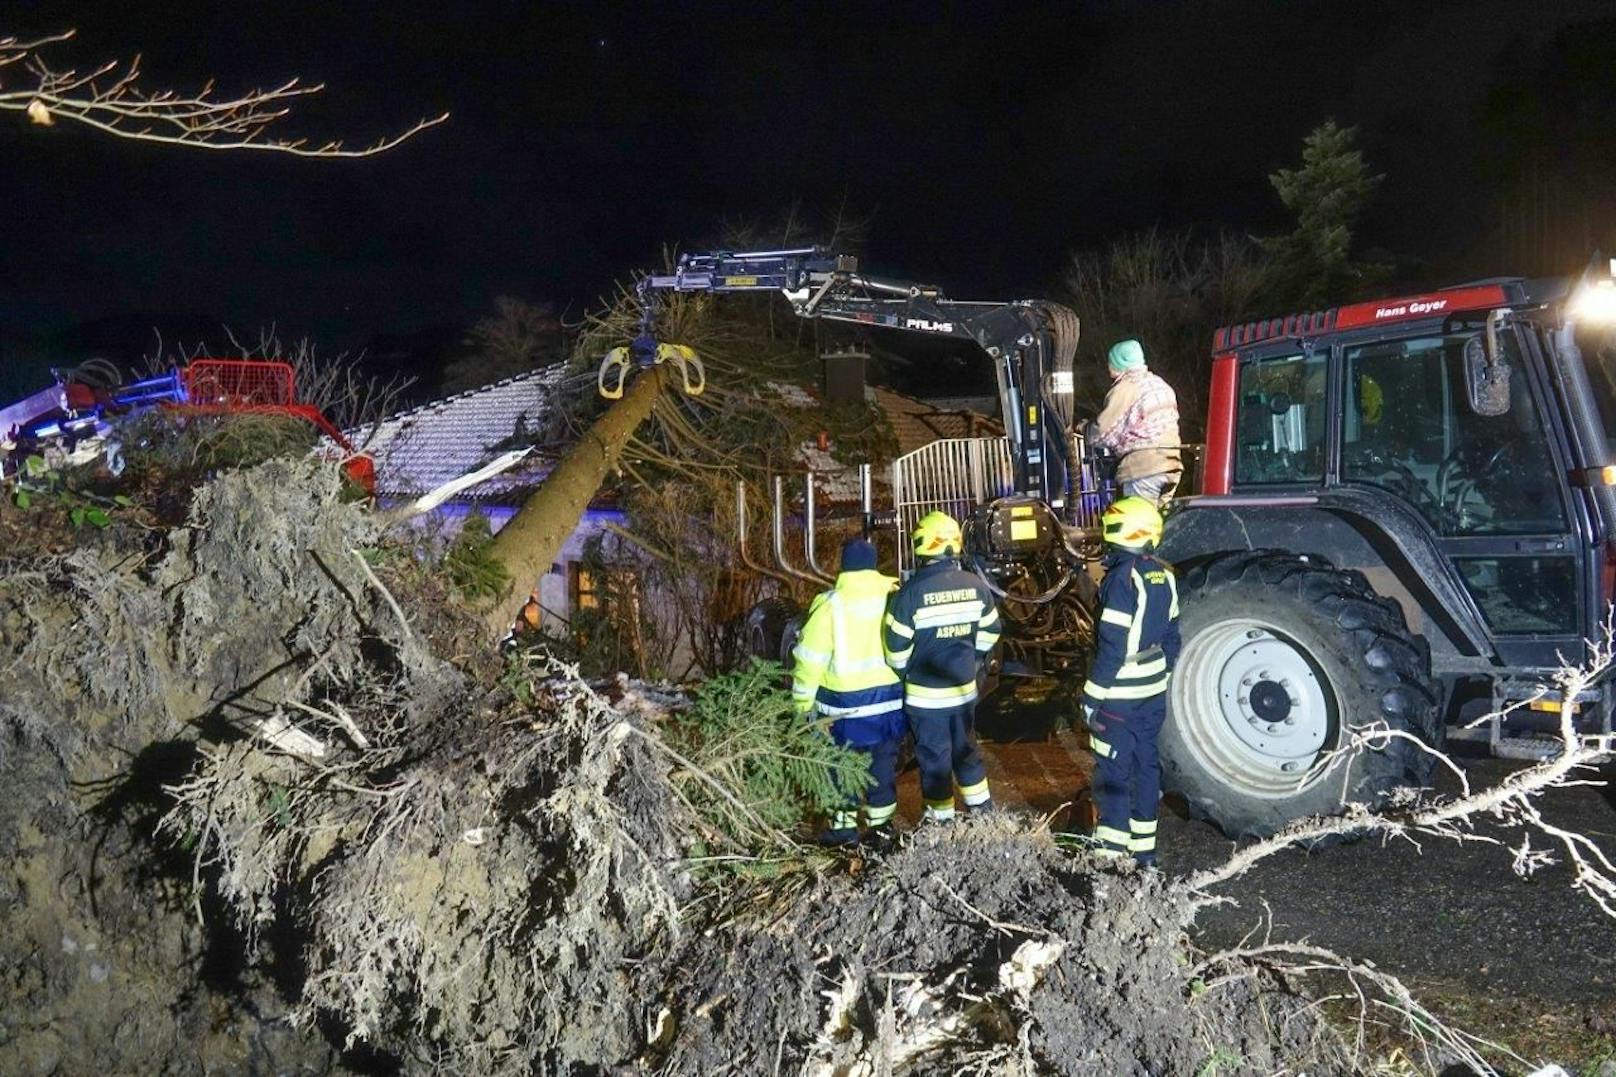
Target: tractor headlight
[[1595, 304], [1594, 301]]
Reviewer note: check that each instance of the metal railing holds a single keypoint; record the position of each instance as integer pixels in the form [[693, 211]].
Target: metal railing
[[953, 474]]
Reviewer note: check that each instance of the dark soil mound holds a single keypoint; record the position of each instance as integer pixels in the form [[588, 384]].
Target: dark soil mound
[[117, 659], [979, 948], [254, 817]]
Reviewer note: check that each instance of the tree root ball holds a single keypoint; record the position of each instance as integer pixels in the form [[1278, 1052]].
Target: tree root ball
[[980, 947]]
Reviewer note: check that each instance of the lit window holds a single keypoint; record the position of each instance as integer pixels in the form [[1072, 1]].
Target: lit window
[[581, 590]]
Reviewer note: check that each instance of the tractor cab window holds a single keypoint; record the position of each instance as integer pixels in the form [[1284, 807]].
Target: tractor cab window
[[1407, 428], [1279, 432]]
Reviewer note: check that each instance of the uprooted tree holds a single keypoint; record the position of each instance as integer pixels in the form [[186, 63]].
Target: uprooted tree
[[679, 455], [527, 545], [490, 867]]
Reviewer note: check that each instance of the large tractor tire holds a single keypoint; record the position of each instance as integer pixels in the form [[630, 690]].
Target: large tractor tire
[[1283, 657]]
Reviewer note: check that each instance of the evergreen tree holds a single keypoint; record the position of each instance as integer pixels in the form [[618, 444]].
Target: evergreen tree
[[1327, 194]]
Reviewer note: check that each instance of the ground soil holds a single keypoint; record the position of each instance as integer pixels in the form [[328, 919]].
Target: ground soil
[[485, 872], [1525, 961]]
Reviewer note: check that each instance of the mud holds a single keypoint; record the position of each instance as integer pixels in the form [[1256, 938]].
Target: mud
[[473, 888], [983, 948], [117, 659], [271, 808]]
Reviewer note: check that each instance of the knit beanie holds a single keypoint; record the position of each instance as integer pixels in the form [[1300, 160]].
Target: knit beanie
[[1126, 355], [857, 554]]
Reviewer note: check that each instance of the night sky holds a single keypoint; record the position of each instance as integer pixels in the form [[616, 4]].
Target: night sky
[[981, 142]]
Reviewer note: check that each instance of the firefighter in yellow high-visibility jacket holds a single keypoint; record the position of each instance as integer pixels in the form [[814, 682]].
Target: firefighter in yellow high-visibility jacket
[[841, 672]]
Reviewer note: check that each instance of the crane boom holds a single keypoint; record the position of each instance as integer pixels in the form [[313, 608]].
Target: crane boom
[[1032, 342]]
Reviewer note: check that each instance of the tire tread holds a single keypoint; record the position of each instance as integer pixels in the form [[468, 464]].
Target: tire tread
[[1394, 663]]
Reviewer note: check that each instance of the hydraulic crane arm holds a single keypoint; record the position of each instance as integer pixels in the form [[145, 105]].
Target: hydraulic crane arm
[[1031, 342]]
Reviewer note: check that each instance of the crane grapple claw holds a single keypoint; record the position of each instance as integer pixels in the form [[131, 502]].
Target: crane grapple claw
[[616, 361], [644, 354], [690, 368]]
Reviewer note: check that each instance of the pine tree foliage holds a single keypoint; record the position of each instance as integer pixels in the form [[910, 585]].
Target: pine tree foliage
[[474, 571], [1327, 194], [743, 731]]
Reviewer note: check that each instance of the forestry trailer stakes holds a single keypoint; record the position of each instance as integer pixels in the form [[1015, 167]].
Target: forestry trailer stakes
[[1406, 519]]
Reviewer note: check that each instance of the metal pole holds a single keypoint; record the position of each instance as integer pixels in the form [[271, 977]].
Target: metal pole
[[808, 528], [867, 498], [741, 531], [780, 534], [897, 508]]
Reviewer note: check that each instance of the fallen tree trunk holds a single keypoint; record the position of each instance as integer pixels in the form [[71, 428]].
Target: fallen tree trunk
[[529, 543]]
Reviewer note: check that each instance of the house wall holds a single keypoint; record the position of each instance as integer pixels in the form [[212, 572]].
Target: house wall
[[553, 591], [553, 594]]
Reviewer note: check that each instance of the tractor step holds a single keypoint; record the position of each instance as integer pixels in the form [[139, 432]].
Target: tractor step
[[1531, 732], [1531, 749]]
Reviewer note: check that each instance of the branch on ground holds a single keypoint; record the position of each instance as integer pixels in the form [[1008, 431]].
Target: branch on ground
[[1378, 995], [1513, 803]]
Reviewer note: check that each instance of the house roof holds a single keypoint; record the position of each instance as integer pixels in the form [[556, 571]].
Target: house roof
[[986, 404], [921, 422], [422, 448]]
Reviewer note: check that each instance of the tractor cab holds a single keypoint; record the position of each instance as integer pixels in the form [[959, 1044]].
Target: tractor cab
[[1406, 519]]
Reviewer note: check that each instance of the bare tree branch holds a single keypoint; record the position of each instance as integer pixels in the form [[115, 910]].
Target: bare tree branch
[[1512, 803], [355, 402], [1373, 989], [111, 99]]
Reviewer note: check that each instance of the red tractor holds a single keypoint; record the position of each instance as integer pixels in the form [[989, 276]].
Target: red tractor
[[78, 411], [1406, 520]]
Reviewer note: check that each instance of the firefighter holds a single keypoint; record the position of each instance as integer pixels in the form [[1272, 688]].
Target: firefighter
[[841, 673], [941, 625], [1125, 697], [1139, 423]]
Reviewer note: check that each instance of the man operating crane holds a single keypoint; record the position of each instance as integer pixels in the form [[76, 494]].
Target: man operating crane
[[1139, 423]]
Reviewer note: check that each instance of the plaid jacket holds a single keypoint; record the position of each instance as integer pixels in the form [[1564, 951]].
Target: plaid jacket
[[1139, 420]]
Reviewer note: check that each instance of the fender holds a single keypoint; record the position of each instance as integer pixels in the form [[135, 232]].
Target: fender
[[1351, 528]]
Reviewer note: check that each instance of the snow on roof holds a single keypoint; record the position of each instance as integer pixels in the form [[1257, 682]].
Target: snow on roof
[[834, 482], [424, 447], [793, 395]]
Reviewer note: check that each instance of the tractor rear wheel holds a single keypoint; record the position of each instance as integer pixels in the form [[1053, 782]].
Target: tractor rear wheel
[[1284, 657]]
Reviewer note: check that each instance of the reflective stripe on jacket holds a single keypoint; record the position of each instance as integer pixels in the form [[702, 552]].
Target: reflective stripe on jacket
[[839, 668], [940, 625], [1136, 640]]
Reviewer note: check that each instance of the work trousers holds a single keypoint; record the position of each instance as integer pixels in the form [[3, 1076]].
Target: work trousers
[[1127, 775], [946, 751], [1156, 489], [880, 797]]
